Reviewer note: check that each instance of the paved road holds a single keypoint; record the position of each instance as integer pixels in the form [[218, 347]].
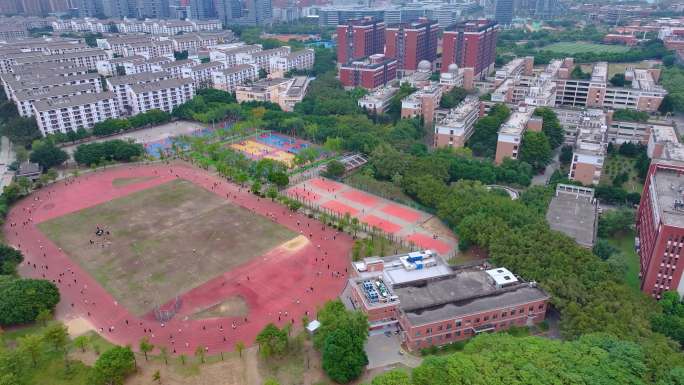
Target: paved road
[[542, 179]]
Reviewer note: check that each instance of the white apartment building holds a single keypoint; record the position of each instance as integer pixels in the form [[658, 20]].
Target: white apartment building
[[284, 92], [201, 73], [458, 125], [118, 44], [24, 99], [194, 41], [262, 59], [299, 60], [150, 49], [228, 79], [87, 58], [119, 85], [162, 95], [176, 68], [228, 54], [73, 112], [46, 81], [379, 100]]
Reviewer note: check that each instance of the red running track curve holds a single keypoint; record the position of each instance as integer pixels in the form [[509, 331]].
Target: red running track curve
[[275, 285]]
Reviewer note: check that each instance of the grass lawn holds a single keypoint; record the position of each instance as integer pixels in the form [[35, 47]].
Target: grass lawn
[[571, 48], [617, 164], [163, 241], [625, 243]]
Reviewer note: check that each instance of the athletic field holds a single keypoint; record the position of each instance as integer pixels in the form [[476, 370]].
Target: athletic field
[[572, 48], [162, 241]]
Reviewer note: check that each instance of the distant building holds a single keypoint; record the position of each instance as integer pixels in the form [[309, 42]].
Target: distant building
[[360, 38], [376, 72], [660, 228], [470, 44], [574, 212], [411, 43], [433, 304], [503, 12]]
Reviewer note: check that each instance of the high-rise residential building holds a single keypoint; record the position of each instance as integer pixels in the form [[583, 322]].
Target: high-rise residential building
[[503, 12], [660, 228], [410, 43], [228, 10], [9, 7], [360, 38], [116, 8], [471, 44], [202, 9]]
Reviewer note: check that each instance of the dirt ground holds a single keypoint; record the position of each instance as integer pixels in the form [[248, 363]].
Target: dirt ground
[[231, 307], [163, 241]]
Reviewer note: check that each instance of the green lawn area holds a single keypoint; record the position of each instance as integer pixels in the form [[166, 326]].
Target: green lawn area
[[571, 48], [625, 243], [616, 164]]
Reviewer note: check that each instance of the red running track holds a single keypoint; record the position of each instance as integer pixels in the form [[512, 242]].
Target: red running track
[[275, 285]]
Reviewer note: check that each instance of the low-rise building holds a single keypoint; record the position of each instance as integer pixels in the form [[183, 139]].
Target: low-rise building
[[376, 72], [201, 73], [590, 148], [119, 85], [24, 99], [574, 212], [164, 95], [229, 78], [658, 139], [73, 112], [298, 60], [511, 134], [434, 304], [228, 54], [422, 103], [458, 125], [284, 92], [379, 100]]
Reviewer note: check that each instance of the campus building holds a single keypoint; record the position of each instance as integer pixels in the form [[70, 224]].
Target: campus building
[[422, 103], [590, 148], [73, 112], [360, 38], [298, 60], [411, 43], [582, 225], [228, 54], [373, 73], [471, 44], [286, 92], [119, 86], [511, 133], [458, 125], [660, 228], [164, 95], [379, 100], [432, 303], [229, 78]]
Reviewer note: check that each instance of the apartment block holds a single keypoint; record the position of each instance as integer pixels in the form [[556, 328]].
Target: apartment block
[[164, 95], [298, 60], [376, 72], [284, 92], [422, 103], [230, 78], [24, 99], [262, 59], [433, 304], [45, 81], [458, 125], [410, 43], [457, 77], [660, 228], [119, 86], [360, 38], [86, 58], [470, 44], [201, 73], [379, 100], [228, 55], [73, 112], [511, 134], [192, 42], [176, 68]]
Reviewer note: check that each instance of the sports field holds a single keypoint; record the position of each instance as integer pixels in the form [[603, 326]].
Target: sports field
[[571, 48], [163, 241]]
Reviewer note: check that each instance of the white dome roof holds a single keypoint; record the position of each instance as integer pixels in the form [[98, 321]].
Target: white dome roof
[[424, 66], [453, 67]]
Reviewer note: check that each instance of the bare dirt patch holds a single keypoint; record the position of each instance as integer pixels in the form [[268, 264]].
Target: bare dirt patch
[[163, 241], [231, 307]]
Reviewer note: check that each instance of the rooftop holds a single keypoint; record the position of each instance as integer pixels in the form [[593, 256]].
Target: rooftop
[[667, 189], [464, 291], [515, 125], [71, 101], [141, 77], [599, 73], [43, 93], [573, 212], [458, 114], [160, 85]]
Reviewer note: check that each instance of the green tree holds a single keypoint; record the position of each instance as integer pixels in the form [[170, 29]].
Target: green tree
[[452, 98], [47, 155], [156, 376], [551, 126], [32, 344], [272, 341], [334, 316], [164, 354], [535, 149], [334, 169], [113, 366], [81, 342], [618, 80], [239, 347], [44, 316], [271, 381], [394, 377], [10, 258], [145, 346], [22, 299], [56, 335], [615, 222], [343, 356]]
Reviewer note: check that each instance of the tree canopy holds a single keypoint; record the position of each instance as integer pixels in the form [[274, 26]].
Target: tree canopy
[[113, 366]]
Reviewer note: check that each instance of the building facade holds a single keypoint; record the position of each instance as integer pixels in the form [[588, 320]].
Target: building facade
[[377, 72], [471, 44], [410, 43], [360, 38]]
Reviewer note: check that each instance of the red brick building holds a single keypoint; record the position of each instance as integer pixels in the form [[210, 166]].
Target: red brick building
[[360, 38], [614, 38], [371, 74], [471, 44], [435, 304], [660, 228], [410, 43]]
